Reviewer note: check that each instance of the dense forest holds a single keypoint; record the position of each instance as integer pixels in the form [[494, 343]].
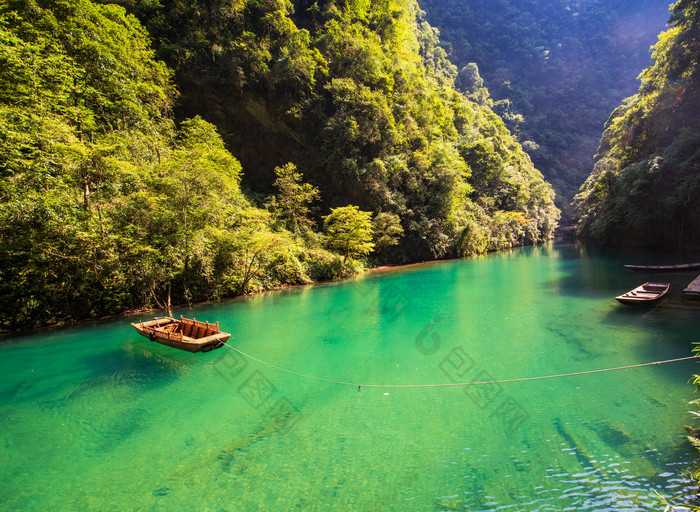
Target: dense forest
[[645, 186], [106, 204], [222, 148], [554, 69], [360, 96]]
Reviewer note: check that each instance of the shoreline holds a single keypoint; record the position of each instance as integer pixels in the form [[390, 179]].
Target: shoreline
[[6, 334]]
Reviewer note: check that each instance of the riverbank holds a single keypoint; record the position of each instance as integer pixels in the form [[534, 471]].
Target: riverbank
[[147, 311]]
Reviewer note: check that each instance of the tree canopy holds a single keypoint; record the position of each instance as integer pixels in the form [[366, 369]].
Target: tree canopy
[[294, 197], [349, 231], [105, 204]]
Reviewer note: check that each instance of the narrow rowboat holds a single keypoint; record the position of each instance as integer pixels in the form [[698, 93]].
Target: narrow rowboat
[[185, 334], [644, 294], [664, 268]]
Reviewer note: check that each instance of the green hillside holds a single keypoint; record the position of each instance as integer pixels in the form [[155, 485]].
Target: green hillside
[[105, 204], [555, 69], [116, 194], [360, 97], [645, 186]]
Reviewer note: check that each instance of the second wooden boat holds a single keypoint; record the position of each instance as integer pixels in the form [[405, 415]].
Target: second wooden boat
[[185, 334], [664, 268], [693, 289], [644, 294]]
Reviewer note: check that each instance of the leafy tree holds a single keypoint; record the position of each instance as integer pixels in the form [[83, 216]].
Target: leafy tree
[[387, 231], [294, 197], [349, 231], [469, 79], [193, 190]]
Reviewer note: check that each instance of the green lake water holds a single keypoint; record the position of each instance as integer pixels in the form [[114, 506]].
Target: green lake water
[[99, 418]]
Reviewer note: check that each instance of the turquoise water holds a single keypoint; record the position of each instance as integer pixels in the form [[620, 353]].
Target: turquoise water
[[99, 418]]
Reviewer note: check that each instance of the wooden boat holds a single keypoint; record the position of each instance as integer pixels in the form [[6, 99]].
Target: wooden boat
[[644, 294], [185, 334], [664, 268], [693, 289]]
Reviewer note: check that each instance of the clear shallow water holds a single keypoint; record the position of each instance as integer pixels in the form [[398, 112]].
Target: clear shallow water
[[98, 418]]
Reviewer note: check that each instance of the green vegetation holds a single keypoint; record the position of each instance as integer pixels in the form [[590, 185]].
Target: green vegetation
[[359, 96], [349, 231], [555, 69], [105, 205], [294, 198], [117, 194], [645, 186]]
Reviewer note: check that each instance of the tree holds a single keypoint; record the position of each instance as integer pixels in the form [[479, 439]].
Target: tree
[[294, 197], [387, 230], [79, 91], [193, 191], [469, 80], [349, 231]]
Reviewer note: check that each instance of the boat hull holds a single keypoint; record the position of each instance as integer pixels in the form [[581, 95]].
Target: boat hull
[[664, 268], [184, 334], [644, 294]]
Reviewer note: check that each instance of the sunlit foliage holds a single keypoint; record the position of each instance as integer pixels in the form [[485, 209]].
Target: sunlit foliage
[[373, 120], [105, 205], [349, 231]]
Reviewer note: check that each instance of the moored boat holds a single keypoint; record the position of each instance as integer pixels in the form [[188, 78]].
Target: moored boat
[[185, 334], [664, 268], [693, 289], [644, 294]]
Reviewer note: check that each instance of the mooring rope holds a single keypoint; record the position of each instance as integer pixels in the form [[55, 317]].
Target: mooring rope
[[359, 386]]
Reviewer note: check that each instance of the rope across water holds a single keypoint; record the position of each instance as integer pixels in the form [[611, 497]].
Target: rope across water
[[359, 386]]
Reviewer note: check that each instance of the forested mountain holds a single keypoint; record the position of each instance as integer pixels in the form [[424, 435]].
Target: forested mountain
[[645, 186], [555, 69], [360, 97], [343, 116]]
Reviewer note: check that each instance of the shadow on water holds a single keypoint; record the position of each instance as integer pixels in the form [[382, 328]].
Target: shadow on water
[[235, 456], [130, 365], [591, 271], [117, 375], [586, 338], [123, 367]]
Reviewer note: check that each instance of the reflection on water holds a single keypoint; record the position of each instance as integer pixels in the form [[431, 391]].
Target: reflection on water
[[98, 418]]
